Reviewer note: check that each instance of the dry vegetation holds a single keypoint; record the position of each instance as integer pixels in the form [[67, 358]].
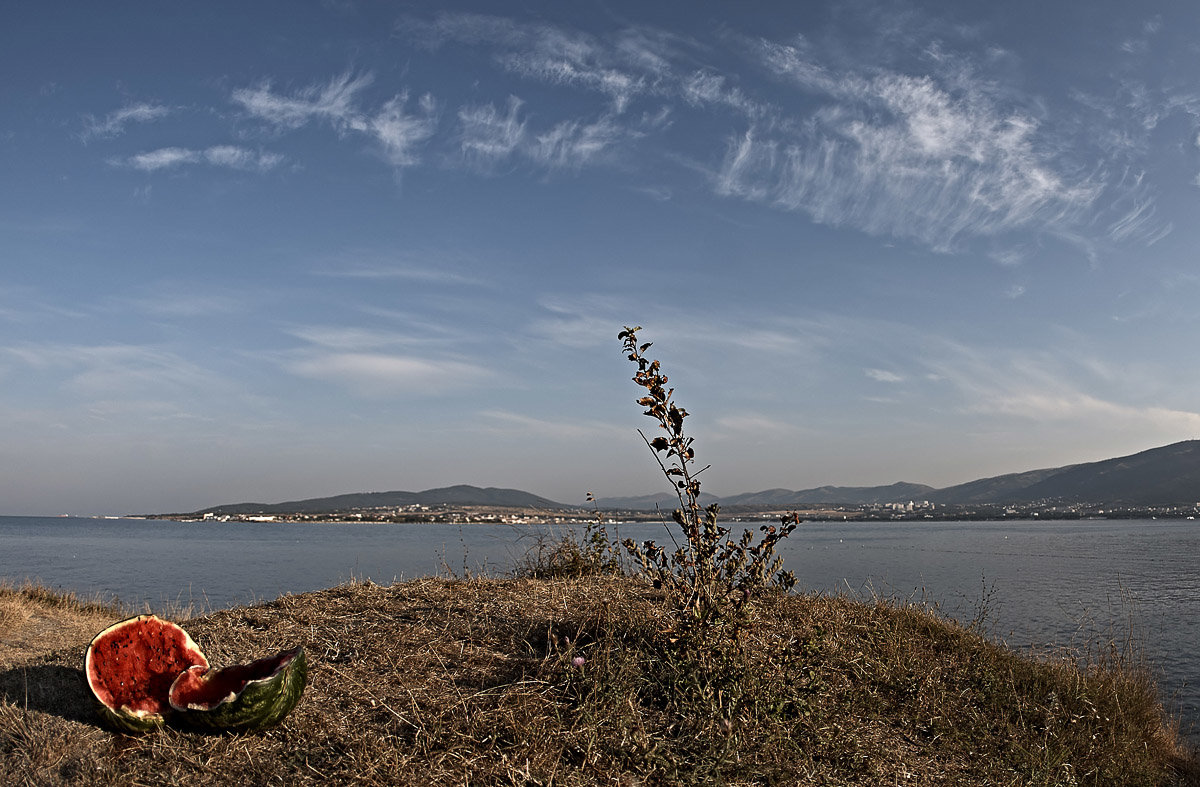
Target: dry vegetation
[[35, 619], [442, 681]]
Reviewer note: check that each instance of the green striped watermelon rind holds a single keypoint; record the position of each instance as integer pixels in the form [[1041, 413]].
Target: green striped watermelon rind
[[243, 697]]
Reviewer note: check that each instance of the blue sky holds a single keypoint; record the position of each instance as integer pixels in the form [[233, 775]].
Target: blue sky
[[279, 250]]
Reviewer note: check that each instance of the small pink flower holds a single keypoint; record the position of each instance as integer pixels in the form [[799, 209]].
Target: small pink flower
[[579, 661]]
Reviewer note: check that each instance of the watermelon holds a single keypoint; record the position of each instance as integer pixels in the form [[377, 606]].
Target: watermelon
[[130, 667], [242, 697]]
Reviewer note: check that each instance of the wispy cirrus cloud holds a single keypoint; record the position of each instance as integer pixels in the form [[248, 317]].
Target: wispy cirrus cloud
[[163, 158], [340, 338], [573, 144], [375, 374], [229, 156], [334, 101], [706, 87], [114, 123], [375, 363], [751, 425], [520, 424], [937, 158], [111, 370], [399, 132], [944, 154], [1139, 222], [490, 137], [240, 158], [1055, 389], [402, 271], [396, 130], [884, 376], [628, 65], [1141, 45], [593, 321]]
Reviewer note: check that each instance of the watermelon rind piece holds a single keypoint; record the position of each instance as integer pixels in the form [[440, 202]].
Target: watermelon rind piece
[[243, 697], [130, 666]]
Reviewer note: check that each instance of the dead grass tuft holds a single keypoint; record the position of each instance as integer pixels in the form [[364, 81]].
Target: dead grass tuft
[[35, 619]]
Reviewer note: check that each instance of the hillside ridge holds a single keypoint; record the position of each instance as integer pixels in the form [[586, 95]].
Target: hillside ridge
[[1165, 475]]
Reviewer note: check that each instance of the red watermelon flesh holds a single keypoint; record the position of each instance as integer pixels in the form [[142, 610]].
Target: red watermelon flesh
[[197, 689], [132, 664]]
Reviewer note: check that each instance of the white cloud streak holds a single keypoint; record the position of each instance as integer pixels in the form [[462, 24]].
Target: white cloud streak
[[374, 374], [489, 137], [111, 370], [397, 131], [941, 158], [228, 156], [1138, 222], [936, 161], [163, 158], [1052, 391], [414, 273], [510, 423], [750, 425], [574, 144], [378, 363], [351, 339], [621, 69], [333, 102], [241, 158], [705, 87], [884, 376], [113, 124]]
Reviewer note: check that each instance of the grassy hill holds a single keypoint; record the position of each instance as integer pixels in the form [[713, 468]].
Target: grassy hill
[[461, 494], [574, 680]]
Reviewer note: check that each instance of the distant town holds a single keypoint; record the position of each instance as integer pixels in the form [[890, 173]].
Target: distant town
[[871, 512]]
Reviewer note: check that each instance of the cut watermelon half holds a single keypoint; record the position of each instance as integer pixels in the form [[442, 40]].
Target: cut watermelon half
[[130, 667]]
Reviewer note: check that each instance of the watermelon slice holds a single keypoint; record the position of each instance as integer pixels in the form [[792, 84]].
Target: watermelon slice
[[242, 697]]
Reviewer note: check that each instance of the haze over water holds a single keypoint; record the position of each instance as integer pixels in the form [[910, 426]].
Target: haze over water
[[1040, 584]]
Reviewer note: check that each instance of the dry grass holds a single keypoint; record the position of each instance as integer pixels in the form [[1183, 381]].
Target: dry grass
[[35, 619], [441, 681]]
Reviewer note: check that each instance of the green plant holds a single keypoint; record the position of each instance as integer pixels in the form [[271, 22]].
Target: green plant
[[710, 577], [570, 554]]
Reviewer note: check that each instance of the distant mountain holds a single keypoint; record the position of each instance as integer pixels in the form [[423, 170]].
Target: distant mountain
[[832, 495], [451, 495], [1009, 488], [1160, 476]]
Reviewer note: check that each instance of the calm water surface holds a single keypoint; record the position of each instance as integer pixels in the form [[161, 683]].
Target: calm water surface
[[1040, 584]]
